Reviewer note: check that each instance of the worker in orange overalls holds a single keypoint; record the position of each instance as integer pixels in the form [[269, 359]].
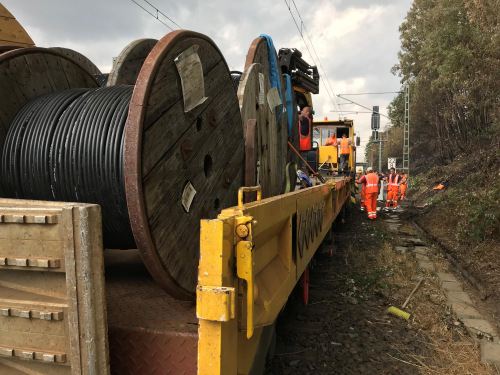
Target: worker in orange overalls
[[305, 133], [331, 140], [344, 152], [371, 184], [403, 186], [363, 194], [393, 181]]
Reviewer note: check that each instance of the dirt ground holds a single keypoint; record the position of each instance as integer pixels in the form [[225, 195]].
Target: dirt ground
[[345, 328]]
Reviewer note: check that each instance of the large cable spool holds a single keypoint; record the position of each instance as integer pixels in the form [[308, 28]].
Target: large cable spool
[[28, 73], [129, 62], [251, 90], [183, 145], [272, 134], [171, 150]]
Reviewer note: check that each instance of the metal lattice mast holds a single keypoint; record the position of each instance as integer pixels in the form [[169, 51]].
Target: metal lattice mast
[[406, 139]]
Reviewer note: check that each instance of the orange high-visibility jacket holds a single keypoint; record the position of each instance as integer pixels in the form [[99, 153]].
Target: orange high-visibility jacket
[[371, 183], [305, 140], [344, 146], [330, 141], [393, 183]]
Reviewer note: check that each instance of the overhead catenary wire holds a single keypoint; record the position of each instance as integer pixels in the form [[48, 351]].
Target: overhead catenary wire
[[365, 107], [352, 112], [374, 93], [158, 12], [330, 91], [314, 49], [156, 16]]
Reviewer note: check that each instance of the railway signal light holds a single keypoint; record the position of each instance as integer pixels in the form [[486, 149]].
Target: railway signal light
[[375, 118]]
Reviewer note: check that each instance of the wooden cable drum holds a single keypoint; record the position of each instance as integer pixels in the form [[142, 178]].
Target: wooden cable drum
[[253, 109], [129, 62], [294, 139], [294, 136], [80, 58], [174, 147], [181, 145], [28, 73], [272, 135]]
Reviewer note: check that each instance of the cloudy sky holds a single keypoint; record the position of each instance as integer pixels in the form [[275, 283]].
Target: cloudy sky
[[356, 40]]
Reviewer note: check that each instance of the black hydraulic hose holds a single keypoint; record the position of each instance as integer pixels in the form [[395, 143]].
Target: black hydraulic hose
[[68, 146], [236, 76]]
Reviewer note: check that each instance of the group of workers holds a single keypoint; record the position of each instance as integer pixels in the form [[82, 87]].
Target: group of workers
[[305, 121], [371, 181]]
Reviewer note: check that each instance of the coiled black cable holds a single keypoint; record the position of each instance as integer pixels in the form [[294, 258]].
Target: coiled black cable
[[102, 79], [68, 146]]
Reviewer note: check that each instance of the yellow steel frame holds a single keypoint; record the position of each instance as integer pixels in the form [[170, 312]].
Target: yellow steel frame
[[251, 258]]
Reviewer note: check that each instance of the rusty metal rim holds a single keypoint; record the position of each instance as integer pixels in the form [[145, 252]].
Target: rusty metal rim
[[133, 160], [253, 49], [250, 156], [250, 152]]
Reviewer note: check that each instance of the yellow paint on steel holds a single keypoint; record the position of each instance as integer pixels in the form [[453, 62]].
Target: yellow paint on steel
[[11, 31], [329, 156], [215, 303], [217, 339], [244, 267], [244, 189], [262, 268]]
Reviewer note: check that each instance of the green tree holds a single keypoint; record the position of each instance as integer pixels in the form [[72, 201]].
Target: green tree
[[452, 66]]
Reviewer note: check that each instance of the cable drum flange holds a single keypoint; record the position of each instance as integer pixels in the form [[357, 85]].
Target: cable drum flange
[[128, 63], [272, 134], [166, 149]]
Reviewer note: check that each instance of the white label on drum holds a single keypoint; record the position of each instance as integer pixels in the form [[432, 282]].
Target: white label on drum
[[191, 72], [273, 98], [261, 89], [188, 196]]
